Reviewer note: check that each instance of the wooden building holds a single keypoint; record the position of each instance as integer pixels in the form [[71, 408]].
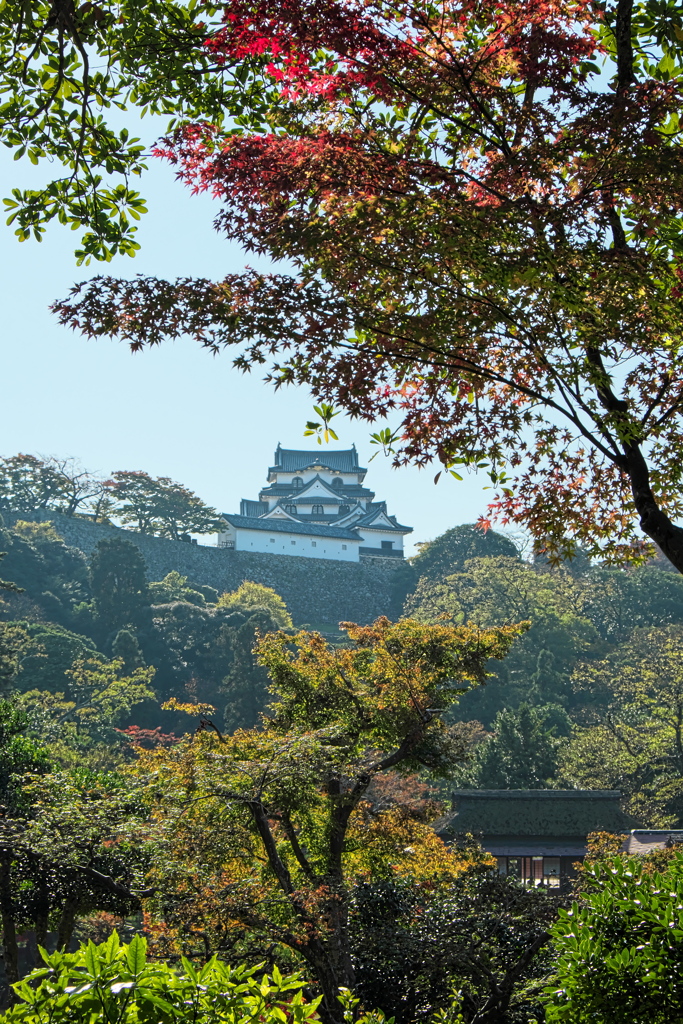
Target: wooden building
[[536, 835]]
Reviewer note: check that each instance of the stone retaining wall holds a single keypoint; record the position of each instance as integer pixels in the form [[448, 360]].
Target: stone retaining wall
[[316, 591]]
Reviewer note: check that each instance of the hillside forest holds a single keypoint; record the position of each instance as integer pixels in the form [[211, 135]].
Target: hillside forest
[[197, 774]]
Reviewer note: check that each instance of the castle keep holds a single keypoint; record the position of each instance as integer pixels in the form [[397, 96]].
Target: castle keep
[[315, 505]]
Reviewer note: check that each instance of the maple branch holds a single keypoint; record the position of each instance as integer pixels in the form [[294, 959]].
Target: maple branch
[[622, 36], [111, 885], [486, 374], [277, 864], [301, 857]]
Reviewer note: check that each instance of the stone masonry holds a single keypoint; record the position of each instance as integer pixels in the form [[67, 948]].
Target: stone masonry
[[316, 591]]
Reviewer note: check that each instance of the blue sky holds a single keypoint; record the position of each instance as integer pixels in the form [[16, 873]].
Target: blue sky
[[175, 411]]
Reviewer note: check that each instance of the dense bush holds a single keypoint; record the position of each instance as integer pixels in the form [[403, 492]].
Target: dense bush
[[119, 985]]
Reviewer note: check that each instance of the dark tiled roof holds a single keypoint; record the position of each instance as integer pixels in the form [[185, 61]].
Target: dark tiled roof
[[368, 519], [318, 499], [535, 812], [253, 508], [641, 840], [291, 459], [348, 491], [289, 526], [539, 846]]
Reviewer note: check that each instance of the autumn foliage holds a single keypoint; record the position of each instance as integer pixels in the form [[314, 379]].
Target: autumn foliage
[[262, 835], [481, 203]]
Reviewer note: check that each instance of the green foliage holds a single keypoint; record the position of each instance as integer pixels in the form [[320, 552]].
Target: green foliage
[[52, 575], [175, 587], [323, 431], [205, 653], [481, 936], [245, 684], [64, 853], [620, 946], [498, 590], [274, 819], [127, 649], [575, 617], [65, 68], [118, 983], [13, 640], [255, 595], [448, 553], [28, 484], [636, 740], [98, 696], [32, 484], [19, 755], [160, 506], [522, 752], [48, 654], [617, 601], [118, 583]]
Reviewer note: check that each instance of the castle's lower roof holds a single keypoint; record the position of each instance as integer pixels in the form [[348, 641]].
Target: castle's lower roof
[[291, 526]]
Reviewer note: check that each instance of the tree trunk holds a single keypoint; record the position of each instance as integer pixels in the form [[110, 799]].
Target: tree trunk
[[66, 926], [40, 939], [41, 917], [656, 524], [331, 1010], [10, 950], [497, 1005], [335, 921]]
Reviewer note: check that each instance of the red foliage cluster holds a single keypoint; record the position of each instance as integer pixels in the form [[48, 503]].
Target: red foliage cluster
[[331, 49], [148, 739]]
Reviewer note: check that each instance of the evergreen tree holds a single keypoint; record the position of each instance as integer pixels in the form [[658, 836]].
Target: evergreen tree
[[118, 583], [126, 648], [19, 755], [522, 751], [448, 553]]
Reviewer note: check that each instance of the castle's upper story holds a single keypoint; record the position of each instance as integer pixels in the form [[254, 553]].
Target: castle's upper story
[[315, 504]]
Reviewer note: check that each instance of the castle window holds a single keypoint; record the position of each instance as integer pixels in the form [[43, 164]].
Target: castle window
[[344, 510], [297, 483], [314, 544], [293, 542], [272, 540], [387, 545], [290, 508], [318, 510], [343, 547], [338, 483]]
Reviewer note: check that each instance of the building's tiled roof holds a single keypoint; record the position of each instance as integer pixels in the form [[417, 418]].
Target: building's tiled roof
[[348, 491], [641, 840], [290, 526], [288, 460], [537, 846], [253, 508], [535, 812], [317, 499], [369, 518]]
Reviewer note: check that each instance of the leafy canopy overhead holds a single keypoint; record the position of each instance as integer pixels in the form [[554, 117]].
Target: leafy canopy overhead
[[68, 69], [481, 205]]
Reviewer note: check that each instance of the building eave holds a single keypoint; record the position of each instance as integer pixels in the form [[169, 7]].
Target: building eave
[[291, 527]]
